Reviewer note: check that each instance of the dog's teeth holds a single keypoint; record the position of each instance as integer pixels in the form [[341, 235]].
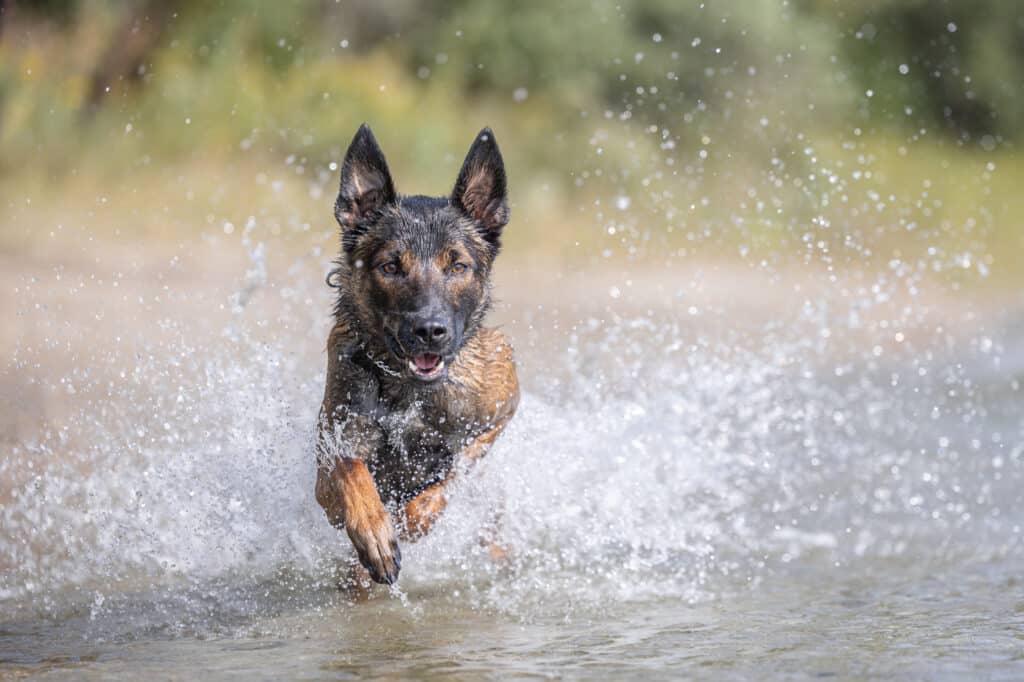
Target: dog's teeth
[[413, 367]]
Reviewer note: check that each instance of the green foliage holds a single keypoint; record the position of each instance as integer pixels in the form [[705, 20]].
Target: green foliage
[[236, 65], [956, 67], [706, 114]]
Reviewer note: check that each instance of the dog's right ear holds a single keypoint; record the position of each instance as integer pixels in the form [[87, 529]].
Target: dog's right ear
[[366, 184]]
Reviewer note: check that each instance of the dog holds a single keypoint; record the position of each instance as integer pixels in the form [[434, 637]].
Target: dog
[[417, 387]]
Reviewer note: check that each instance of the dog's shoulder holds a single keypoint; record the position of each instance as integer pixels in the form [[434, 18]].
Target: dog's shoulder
[[341, 338], [486, 368], [348, 382], [342, 344]]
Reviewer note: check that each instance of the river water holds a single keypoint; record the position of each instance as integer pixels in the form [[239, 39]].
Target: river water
[[685, 492]]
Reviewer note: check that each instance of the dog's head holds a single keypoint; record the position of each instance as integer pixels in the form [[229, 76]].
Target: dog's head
[[414, 271]]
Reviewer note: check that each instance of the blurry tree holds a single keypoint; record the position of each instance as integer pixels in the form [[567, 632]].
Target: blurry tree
[[947, 63], [767, 69], [687, 52], [62, 11], [130, 49]]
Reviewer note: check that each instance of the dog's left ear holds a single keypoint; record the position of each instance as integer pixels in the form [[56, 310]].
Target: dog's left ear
[[480, 190]]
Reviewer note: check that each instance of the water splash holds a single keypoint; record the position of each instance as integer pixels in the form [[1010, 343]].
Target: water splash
[[661, 462]]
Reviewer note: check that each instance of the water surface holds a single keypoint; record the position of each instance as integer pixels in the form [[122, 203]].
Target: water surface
[[685, 490]]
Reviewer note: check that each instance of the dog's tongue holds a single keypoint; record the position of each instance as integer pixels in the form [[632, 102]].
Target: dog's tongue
[[426, 361]]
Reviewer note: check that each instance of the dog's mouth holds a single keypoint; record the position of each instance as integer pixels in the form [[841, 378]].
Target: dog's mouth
[[427, 366]]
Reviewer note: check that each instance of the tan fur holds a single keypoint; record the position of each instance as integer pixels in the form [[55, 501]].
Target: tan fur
[[417, 389], [482, 390]]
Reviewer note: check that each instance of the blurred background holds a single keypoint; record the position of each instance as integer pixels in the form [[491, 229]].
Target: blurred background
[[763, 276], [866, 131], [143, 142]]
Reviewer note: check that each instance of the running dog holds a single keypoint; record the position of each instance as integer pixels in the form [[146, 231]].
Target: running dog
[[417, 386]]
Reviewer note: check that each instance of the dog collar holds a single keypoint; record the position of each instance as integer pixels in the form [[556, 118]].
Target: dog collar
[[380, 364]]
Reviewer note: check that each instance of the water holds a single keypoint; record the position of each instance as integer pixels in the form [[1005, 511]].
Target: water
[[687, 489]]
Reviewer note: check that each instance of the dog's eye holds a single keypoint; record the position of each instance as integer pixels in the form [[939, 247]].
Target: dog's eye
[[459, 268], [389, 268]]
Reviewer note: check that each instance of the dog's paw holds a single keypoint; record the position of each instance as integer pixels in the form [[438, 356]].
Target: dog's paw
[[377, 547], [423, 510]]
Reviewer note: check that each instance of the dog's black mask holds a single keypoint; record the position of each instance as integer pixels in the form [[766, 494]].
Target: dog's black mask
[[414, 271]]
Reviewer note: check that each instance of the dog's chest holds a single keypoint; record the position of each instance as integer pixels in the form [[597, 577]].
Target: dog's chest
[[421, 441], [415, 429]]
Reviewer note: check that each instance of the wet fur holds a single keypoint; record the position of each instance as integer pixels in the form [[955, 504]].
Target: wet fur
[[389, 444]]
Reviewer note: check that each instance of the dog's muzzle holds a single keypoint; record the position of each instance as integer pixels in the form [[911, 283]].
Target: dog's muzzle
[[429, 340]]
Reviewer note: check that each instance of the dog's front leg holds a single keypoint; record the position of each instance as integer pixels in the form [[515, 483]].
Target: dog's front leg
[[346, 491], [422, 511], [349, 496]]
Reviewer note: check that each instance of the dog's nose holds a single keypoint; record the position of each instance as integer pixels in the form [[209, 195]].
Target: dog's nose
[[431, 331]]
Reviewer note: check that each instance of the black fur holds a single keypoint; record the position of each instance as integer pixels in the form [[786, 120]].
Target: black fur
[[480, 190], [378, 223], [414, 380]]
